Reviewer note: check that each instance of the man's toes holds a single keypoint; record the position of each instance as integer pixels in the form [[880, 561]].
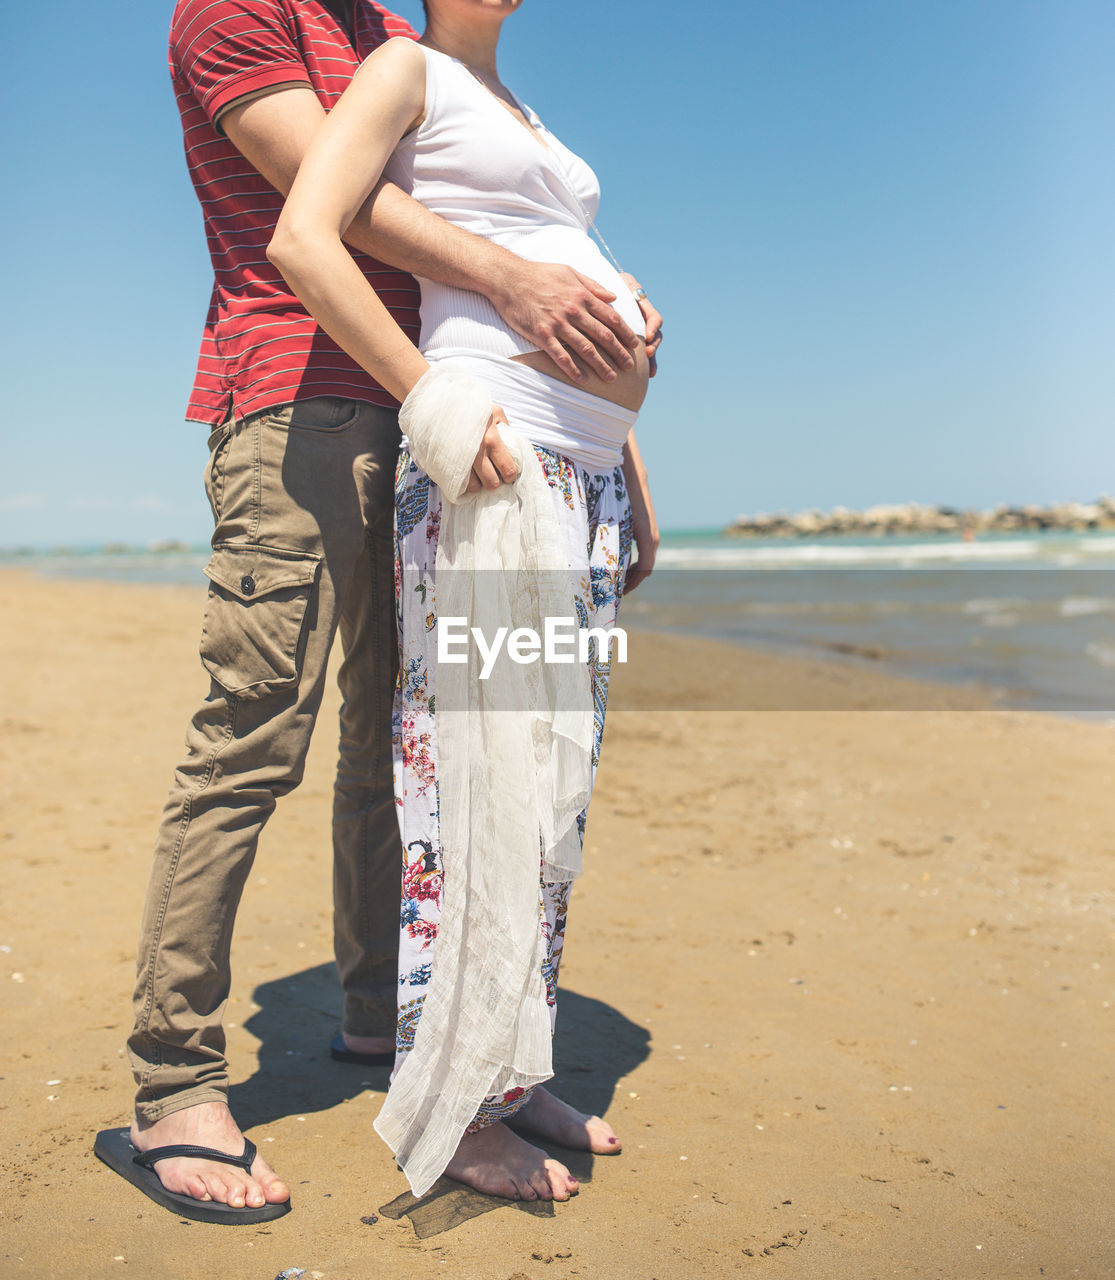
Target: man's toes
[[213, 1187], [195, 1187], [228, 1190], [272, 1189], [238, 1192]]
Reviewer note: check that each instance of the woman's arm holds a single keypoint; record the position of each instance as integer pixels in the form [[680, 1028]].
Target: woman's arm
[[645, 525], [343, 163]]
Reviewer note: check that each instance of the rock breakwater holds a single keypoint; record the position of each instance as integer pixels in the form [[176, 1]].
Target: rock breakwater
[[915, 517]]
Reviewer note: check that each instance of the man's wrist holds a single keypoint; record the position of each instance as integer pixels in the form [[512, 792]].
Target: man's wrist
[[497, 273]]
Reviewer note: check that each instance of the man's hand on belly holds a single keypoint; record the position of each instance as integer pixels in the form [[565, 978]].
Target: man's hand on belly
[[566, 315]]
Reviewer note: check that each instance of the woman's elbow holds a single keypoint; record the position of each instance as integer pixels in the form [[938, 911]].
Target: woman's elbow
[[283, 247], [301, 251], [295, 241]]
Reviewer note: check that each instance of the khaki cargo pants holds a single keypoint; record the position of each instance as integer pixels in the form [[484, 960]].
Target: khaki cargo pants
[[302, 498]]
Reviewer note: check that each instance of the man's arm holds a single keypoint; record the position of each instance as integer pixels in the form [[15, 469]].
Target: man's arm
[[562, 311]]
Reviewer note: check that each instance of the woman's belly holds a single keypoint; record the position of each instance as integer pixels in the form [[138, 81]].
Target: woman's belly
[[577, 249], [455, 322], [629, 387]]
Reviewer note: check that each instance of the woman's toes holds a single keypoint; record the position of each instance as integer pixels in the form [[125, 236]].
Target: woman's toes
[[561, 1180], [540, 1183]]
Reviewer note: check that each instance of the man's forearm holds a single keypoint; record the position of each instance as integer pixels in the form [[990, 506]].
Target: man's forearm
[[564, 313], [393, 227]]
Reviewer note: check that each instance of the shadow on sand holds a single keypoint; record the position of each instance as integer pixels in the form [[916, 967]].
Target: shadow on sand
[[595, 1047]]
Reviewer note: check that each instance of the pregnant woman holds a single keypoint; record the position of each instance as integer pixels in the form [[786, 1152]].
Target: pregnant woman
[[515, 516]]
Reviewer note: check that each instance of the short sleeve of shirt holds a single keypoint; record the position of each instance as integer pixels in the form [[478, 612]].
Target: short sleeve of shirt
[[227, 49]]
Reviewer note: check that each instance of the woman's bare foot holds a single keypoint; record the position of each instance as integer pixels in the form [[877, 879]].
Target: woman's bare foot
[[551, 1118], [209, 1124], [498, 1163]]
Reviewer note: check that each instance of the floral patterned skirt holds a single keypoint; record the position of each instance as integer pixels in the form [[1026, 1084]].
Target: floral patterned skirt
[[593, 514]]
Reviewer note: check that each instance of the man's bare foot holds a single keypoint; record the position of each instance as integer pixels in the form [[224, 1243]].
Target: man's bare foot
[[499, 1163], [368, 1044], [551, 1118], [208, 1124]]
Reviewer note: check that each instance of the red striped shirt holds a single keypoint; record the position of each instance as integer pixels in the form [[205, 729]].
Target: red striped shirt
[[260, 348]]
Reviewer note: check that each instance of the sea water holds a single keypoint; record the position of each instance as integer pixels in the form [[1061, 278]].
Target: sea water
[[1031, 616]]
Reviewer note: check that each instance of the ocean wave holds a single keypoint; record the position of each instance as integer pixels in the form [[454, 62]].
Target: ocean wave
[[1102, 544], [821, 555], [1103, 652], [993, 604], [1082, 606]]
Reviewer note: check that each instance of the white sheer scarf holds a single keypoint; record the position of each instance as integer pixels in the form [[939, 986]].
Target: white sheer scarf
[[514, 756]]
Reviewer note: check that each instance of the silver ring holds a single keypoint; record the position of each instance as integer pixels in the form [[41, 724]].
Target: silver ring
[[639, 294]]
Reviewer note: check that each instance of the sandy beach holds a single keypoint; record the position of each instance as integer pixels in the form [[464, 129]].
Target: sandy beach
[[839, 972]]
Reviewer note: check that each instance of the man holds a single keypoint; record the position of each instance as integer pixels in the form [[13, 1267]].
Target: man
[[303, 449]]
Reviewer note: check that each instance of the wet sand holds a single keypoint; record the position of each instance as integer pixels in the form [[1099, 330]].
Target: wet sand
[[840, 976]]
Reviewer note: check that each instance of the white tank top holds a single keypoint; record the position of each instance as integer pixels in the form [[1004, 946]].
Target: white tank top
[[473, 163]]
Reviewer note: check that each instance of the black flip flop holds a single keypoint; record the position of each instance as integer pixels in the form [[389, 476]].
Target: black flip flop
[[114, 1147], [340, 1052]]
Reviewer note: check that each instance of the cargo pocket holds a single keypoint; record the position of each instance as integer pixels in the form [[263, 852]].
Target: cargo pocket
[[251, 636]]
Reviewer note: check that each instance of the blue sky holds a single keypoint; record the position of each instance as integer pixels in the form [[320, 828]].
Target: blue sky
[[880, 232]]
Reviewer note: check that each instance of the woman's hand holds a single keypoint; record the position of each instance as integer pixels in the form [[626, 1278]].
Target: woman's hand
[[493, 464], [652, 317]]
